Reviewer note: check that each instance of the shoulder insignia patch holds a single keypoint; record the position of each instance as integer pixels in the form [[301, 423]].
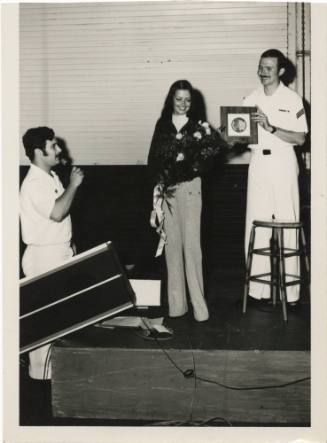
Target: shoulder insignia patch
[[301, 112]]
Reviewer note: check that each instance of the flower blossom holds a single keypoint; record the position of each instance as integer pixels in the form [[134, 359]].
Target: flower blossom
[[206, 127], [179, 136], [180, 157], [197, 135]]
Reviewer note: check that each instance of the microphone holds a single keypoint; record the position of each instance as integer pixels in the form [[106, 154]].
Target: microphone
[[64, 161], [64, 169]]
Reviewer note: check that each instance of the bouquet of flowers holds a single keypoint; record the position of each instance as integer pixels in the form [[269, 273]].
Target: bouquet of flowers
[[188, 155], [183, 156]]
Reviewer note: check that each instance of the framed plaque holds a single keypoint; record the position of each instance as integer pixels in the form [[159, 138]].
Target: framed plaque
[[237, 125]]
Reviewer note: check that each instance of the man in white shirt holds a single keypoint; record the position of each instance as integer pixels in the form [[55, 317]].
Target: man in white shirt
[[273, 191], [45, 221]]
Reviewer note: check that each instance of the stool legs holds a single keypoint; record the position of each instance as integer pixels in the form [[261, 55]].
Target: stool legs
[[274, 266], [305, 251], [248, 268], [282, 278], [306, 258], [278, 254]]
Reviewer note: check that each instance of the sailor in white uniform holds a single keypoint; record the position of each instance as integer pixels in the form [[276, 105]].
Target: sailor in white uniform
[[45, 221], [273, 191]]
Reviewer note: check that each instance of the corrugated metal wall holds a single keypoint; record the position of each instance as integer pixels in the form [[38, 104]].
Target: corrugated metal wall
[[98, 73]]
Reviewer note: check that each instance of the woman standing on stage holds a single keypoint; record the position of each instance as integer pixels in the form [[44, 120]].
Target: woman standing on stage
[[177, 158]]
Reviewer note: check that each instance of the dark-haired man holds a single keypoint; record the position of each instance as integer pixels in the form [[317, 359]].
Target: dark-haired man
[[273, 171], [45, 221]]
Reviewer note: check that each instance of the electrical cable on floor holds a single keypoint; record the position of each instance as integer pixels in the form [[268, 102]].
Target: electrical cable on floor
[[252, 388], [213, 419], [189, 373], [164, 351], [191, 423], [188, 423]]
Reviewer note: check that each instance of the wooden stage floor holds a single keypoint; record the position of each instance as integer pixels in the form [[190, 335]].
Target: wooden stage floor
[[230, 351]]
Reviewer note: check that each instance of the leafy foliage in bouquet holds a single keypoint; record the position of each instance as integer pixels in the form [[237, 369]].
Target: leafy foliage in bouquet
[[188, 155]]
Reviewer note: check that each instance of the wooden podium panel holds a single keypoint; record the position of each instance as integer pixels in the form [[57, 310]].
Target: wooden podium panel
[[84, 290]]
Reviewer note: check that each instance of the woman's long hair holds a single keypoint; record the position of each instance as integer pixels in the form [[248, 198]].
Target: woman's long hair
[[168, 108]]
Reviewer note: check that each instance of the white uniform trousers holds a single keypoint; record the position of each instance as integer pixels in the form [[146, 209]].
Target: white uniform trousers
[[183, 228], [36, 260], [272, 190]]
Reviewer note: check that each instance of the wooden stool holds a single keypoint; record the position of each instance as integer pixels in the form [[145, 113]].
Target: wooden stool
[[277, 252]]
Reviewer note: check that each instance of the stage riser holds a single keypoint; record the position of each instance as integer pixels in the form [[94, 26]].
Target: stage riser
[[143, 384]]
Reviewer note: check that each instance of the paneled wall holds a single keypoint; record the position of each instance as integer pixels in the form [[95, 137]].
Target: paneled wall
[[98, 73]]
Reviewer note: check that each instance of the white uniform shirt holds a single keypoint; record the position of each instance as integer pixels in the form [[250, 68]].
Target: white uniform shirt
[[284, 109], [38, 194]]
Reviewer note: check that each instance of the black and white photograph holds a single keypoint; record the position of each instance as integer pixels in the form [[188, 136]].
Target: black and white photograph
[[164, 229]]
